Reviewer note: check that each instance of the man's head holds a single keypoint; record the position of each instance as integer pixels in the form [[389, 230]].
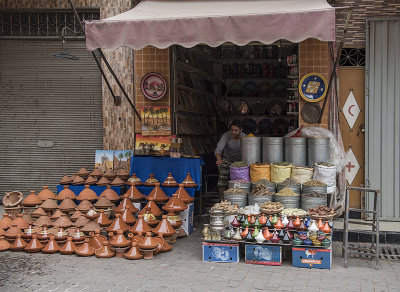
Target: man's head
[[236, 128]]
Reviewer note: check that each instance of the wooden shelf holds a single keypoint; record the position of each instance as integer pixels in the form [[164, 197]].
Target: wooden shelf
[[292, 89], [248, 60], [288, 115], [194, 90], [255, 78], [194, 112], [292, 77], [191, 69]]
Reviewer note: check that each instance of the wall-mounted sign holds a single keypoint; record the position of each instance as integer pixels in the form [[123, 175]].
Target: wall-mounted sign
[[313, 87], [153, 86]]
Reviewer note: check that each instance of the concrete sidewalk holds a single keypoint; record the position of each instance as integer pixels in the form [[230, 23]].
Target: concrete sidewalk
[[182, 269]]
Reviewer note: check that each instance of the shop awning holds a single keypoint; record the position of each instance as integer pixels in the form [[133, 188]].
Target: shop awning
[[162, 23]]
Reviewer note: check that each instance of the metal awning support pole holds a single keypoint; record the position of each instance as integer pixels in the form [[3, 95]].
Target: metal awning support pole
[[339, 51], [107, 64]]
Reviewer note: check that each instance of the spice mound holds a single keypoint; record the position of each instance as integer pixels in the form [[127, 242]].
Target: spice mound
[[314, 183], [321, 211], [286, 192], [313, 195], [272, 206], [282, 163], [239, 164], [325, 164], [294, 212], [261, 190], [289, 182], [235, 191], [226, 206]]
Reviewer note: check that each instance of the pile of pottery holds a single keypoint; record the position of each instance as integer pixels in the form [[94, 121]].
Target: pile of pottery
[[97, 177], [273, 229], [12, 202], [87, 224], [188, 182]]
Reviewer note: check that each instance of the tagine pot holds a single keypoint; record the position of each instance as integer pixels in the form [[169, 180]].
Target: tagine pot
[[109, 174], [91, 181], [66, 180], [148, 246], [87, 194], [103, 220], [46, 194], [110, 194], [84, 206], [67, 205], [68, 248], [96, 239], [19, 244], [164, 227], [31, 200], [103, 182], [34, 245], [125, 203], [128, 217], [103, 203], [83, 172], [97, 173], [188, 182], [66, 193], [154, 209], [49, 205], [133, 253], [4, 244], [51, 246], [134, 180], [81, 221], [85, 250], [20, 222], [174, 205], [157, 194], [169, 181], [183, 195], [77, 181], [118, 240], [5, 222], [63, 221], [105, 251], [134, 194], [151, 181], [116, 182], [75, 216], [123, 174], [117, 224]]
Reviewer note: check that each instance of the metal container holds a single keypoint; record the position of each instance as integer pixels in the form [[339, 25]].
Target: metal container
[[295, 188], [311, 202], [240, 185], [296, 150], [288, 201], [272, 149], [260, 199], [270, 186], [314, 189], [250, 149], [317, 150], [240, 199]]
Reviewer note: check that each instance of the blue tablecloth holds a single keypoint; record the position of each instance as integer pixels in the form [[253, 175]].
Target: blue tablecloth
[[97, 189], [143, 166]]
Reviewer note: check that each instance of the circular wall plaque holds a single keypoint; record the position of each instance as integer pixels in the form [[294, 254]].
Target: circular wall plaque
[[153, 86], [313, 87]]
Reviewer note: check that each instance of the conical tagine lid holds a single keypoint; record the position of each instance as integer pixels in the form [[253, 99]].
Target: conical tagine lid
[[109, 174], [5, 222], [43, 220], [128, 217], [148, 242], [170, 181], [103, 181], [83, 172], [119, 240], [117, 224], [103, 220], [66, 193], [157, 194], [57, 214], [103, 203], [84, 206], [140, 226], [87, 194], [85, 250], [31, 200], [151, 181], [66, 180], [153, 209], [134, 194], [188, 182], [164, 227], [122, 174], [133, 253], [78, 180], [134, 180], [67, 205], [46, 194], [63, 221], [49, 205], [183, 195], [174, 205], [110, 194], [117, 182], [91, 181], [20, 222], [97, 173], [125, 203]]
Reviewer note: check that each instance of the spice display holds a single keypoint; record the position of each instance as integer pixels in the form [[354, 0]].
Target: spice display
[[286, 192], [314, 195], [325, 164], [314, 183], [239, 181], [289, 182], [294, 212], [239, 164], [260, 163], [272, 206], [226, 206], [250, 210], [265, 182], [235, 191], [321, 211], [261, 190], [282, 163]]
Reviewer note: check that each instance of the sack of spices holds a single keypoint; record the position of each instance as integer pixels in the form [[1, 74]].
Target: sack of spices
[[239, 170], [260, 171], [302, 174], [280, 171], [326, 173]]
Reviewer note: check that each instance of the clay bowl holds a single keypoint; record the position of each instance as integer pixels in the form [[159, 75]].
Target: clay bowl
[[12, 199], [13, 211]]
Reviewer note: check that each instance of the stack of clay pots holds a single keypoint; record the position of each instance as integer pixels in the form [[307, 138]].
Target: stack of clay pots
[[12, 203]]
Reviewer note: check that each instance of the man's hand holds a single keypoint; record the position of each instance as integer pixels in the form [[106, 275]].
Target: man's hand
[[219, 162]]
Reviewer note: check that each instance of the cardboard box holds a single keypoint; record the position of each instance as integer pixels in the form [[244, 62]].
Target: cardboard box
[[258, 254], [187, 218], [312, 257], [221, 252]]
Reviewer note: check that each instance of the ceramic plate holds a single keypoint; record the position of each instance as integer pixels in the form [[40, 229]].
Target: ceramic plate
[[313, 87], [265, 89], [235, 89], [243, 108], [250, 88], [258, 107], [277, 107], [310, 112], [153, 86]]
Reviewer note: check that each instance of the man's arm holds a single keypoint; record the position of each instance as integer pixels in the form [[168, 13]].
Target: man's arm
[[220, 147]]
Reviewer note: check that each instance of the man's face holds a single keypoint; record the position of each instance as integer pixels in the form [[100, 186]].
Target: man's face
[[235, 131]]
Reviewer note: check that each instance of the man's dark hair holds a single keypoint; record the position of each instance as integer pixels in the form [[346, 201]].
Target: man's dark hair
[[237, 123]]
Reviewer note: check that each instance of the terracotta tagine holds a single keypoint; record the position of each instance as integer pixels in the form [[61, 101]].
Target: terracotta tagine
[[49, 205], [44, 235], [175, 220], [138, 237], [31, 200], [102, 219], [28, 232], [84, 206], [128, 217], [157, 194], [57, 214], [38, 212], [302, 227], [66, 193], [51, 246], [116, 182], [75, 216], [81, 221], [91, 214], [326, 229], [164, 227], [151, 181], [134, 181], [297, 222], [78, 236], [96, 173], [188, 182], [68, 248], [320, 224], [174, 205], [133, 253], [91, 181], [83, 172], [134, 194], [161, 241], [183, 195], [109, 174], [19, 244], [103, 203], [123, 174], [34, 245], [78, 181], [27, 217], [170, 181], [125, 203], [235, 223], [96, 239], [87, 194], [279, 224], [66, 180], [72, 177], [85, 250], [275, 237], [148, 246], [20, 222], [43, 220], [2, 232], [67, 205], [118, 240], [46, 194], [103, 181], [14, 211], [166, 247], [4, 244], [267, 235], [63, 221], [155, 210], [90, 227], [150, 218], [140, 226], [110, 194], [117, 224], [105, 251], [5, 222]]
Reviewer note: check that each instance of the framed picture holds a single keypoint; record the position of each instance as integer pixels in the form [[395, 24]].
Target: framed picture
[[153, 86]]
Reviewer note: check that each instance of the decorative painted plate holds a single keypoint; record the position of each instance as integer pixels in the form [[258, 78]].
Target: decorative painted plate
[[310, 112], [313, 87], [153, 86]]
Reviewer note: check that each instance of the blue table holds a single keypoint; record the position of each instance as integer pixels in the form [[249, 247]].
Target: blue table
[[143, 166]]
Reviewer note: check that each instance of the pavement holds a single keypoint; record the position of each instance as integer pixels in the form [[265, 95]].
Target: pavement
[[182, 269]]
